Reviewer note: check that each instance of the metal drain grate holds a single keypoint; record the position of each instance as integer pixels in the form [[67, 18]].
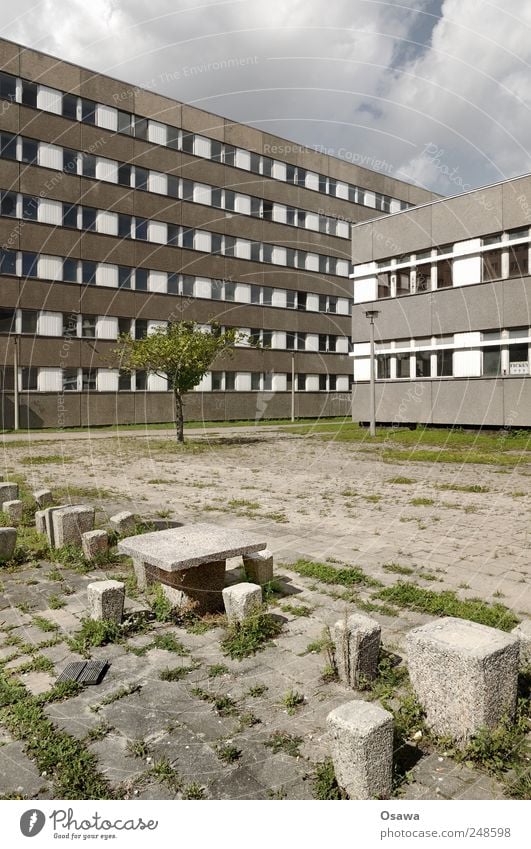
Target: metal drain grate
[[84, 672]]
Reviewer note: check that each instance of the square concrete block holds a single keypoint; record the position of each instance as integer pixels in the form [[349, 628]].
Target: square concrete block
[[356, 649], [8, 492], [40, 521], [106, 600], [241, 601], [8, 541], [124, 522], [259, 566], [361, 743], [523, 633], [13, 511], [69, 523], [94, 543], [464, 675], [43, 498]]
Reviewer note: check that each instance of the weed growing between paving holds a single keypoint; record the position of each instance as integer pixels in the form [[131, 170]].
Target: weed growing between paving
[[245, 638]]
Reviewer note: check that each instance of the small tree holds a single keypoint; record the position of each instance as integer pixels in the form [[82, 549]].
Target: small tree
[[182, 352]]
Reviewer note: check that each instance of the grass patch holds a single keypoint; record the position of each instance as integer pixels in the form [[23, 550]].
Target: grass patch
[[401, 480], [455, 487], [257, 690], [297, 609], [95, 633], [228, 753], [325, 786], [397, 569], [422, 502], [168, 642], [45, 624], [446, 603], [216, 670], [121, 693], [138, 748], [175, 674], [71, 767], [245, 638], [224, 705], [345, 577], [280, 741], [165, 774], [292, 700], [55, 603], [194, 791], [44, 459]]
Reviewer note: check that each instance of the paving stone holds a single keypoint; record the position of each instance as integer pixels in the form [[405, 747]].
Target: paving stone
[[18, 774], [114, 761]]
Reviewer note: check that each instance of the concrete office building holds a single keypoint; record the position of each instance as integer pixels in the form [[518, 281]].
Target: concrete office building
[[122, 209], [451, 283]]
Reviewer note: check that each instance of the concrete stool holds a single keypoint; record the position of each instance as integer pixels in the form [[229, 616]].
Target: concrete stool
[[356, 649], [94, 543], [523, 632], [106, 600], [69, 523], [8, 492], [13, 511], [464, 674], [8, 541], [241, 601], [259, 566], [361, 736], [123, 523], [43, 498]]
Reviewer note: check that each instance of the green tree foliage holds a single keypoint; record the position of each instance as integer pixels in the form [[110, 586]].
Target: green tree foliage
[[182, 352]]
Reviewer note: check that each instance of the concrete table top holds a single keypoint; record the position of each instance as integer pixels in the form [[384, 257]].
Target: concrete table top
[[176, 549]]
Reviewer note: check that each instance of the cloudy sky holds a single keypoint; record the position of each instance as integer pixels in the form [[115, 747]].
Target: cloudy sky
[[433, 91]]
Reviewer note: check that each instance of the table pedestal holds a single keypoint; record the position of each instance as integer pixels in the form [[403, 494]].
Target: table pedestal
[[198, 587]]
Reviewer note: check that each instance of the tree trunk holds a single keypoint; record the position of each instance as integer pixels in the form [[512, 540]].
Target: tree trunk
[[179, 416]]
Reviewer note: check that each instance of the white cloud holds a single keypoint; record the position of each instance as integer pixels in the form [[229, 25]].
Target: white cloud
[[345, 75]]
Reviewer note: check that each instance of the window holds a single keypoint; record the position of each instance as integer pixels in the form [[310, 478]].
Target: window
[[229, 245], [423, 364], [88, 165], [124, 175], [28, 322], [141, 128], [8, 146], [141, 381], [70, 270], [173, 234], [30, 206], [124, 326], [256, 380], [172, 286], [69, 324], [70, 380], [69, 160], [124, 122], [141, 279], [267, 338], [301, 301], [187, 144], [291, 339], [402, 283], [124, 225], [141, 229], [445, 364], [8, 204], [384, 285], [267, 296], [88, 326], [267, 166], [69, 106], [88, 379], [8, 262], [291, 300], [141, 328], [423, 273], [7, 320], [217, 290], [217, 381], [29, 264], [125, 275], [230, 381], [301, 341], [323, 340], [230, 291], [255, 294], [230, 200], [383, 366], [519, 261], [403, 367], [332, 382], [69, 215], [8, 87], [88, 218], [30, 151], [332, 304], [444, 273], [174, 137], [88, 272], [188, 285], [173, 186], [141, 178], [229, 154], [322, 383], [491, 361], [216, 151], [492, 265], [124, 381], [518, 359], [29, 93], [29, 379], [188, 241], [301, 382], [88, 111]]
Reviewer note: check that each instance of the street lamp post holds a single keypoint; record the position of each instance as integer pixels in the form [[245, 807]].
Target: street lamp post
[[15, 387], [293, 387], [371, 315]]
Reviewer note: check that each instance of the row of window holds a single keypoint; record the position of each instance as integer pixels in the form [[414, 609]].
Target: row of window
[[82, 109], [427, 271], [87, 272], [493, 361], [75, 325], [27, 207], [32, 152], [34, 379]]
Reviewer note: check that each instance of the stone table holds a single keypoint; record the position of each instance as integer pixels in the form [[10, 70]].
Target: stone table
[[189, 561]]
